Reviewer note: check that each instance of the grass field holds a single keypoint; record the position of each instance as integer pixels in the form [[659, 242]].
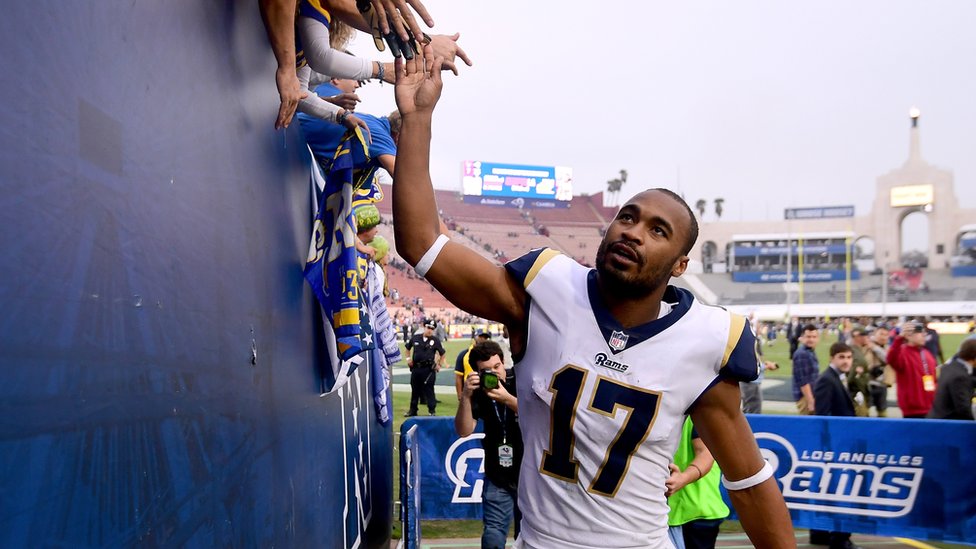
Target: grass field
[[435, 529]]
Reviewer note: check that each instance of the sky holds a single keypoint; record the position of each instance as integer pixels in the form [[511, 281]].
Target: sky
[[766, 104]]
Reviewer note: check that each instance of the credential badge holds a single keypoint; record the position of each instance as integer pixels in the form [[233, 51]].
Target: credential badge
[[618, 340]]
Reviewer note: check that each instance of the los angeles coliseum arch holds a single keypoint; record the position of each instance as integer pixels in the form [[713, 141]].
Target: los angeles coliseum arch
[[915, 186]]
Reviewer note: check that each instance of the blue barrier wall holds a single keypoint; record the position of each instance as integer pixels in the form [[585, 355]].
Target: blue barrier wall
[[964, 270], [409, 486], [783, 276], [158, 353], [894, 477]]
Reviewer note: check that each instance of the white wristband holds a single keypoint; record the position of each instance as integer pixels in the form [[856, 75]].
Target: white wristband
[[427, 261], [763, 474]]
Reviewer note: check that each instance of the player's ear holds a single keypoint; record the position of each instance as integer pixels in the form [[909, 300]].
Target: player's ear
[[680, 266]]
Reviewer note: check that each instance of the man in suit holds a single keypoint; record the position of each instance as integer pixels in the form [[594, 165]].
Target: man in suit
[[830, 392], [833, 399], [954, 393]]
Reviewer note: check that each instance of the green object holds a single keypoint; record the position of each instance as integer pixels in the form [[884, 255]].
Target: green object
[[381, 245], [700, 499], [489, 379], [367, 217]]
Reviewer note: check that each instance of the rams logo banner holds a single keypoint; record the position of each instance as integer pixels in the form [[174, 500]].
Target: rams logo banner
[[913, 478], [452, 469]]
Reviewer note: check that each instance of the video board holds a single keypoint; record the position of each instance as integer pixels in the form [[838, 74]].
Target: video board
[[509, 181]]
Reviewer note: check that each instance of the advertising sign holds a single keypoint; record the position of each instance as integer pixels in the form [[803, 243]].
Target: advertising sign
[[819, 213], [912, 195], [504, 182]]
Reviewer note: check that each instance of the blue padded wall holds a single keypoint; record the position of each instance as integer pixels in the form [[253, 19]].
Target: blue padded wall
[[158, 344]]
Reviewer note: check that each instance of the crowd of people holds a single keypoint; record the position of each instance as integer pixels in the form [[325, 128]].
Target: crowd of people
[[907, 355]]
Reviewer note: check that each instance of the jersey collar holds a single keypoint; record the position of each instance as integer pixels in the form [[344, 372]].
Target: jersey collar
[[616, 336]]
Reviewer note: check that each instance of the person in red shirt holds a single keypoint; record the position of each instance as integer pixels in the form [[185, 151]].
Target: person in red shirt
[[914, 368]]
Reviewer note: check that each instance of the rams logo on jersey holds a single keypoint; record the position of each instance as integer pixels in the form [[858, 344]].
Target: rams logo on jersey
[[601, 359]]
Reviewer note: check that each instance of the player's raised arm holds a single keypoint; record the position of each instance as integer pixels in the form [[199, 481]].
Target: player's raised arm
[[752, 488], [467, 279]]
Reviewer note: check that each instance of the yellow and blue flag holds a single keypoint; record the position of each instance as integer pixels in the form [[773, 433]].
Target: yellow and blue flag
[[332, 268]]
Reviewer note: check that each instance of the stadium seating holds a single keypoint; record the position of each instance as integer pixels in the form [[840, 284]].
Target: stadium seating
[[500, 234]]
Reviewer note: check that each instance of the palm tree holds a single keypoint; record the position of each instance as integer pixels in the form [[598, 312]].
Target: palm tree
[[614, 185], [700, 206], [718, 207]]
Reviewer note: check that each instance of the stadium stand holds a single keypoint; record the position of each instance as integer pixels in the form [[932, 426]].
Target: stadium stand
[[500, 234]]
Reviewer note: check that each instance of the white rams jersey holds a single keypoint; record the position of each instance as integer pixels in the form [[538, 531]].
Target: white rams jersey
[[601, 407]]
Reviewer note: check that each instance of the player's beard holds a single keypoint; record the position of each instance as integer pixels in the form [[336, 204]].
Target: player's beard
[[646, 280]]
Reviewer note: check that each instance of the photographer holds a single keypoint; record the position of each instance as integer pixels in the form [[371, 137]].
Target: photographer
[[489, 394]]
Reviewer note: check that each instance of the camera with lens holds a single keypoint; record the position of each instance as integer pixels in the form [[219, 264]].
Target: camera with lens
[[489, 379]]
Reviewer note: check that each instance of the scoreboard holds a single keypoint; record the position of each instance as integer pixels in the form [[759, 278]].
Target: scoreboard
[[504, 184]]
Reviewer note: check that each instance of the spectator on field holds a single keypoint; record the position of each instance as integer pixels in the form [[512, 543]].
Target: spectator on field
[[834, 399], [462, 364], [830, 389], [932, 342], [844, 327], [954, 395], [878, 369], [697, 508], [794, 331], [751, 391], [914, 369], [494, 402], [859, 379], [806, 369], [441, 330]]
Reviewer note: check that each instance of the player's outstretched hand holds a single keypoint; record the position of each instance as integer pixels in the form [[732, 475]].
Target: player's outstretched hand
[[290, 92], [418, 83]]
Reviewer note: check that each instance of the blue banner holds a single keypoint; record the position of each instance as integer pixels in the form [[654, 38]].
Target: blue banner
[[781, 276], [912, 478], [964, 270], [892, 477], [781, 251], [410, 485], [452, 469]]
